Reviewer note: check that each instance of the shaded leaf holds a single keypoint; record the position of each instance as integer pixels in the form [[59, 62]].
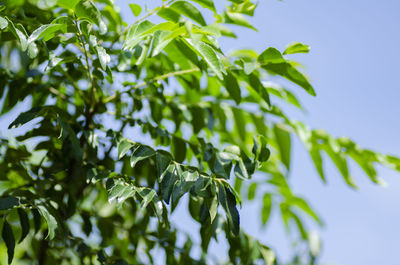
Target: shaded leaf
[[9, 239], [228, 202], [24, 222], [8, 203], [232, 87], [141, 152]]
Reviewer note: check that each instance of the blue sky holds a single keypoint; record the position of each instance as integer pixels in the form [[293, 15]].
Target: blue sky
[[353, 65]]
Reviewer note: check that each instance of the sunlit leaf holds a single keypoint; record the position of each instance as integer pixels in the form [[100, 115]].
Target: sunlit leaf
[[136, 9], [50, 220], [296, 47]]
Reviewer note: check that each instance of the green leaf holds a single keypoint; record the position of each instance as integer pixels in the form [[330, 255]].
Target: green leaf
[[222, 164], [86, 9], [237, 19], [46, 32], [303, 205], [332, 148], [24, 118], [8, 238], [316, 157], [232, 86], [163, 161], [183, 185], [68, 4], [241, 170], [251, 194], [168, 181], [8, 203], [169, 14], [249, 67], [208, 54], [266, 208], [240, 123], [50, 220], [188, 10], [228, 202], [119, 191], [296, 47], [141, 152], [146, 194], [289, 72], [206, 4], [18, 33], [136, 9], [267, 254], [136, 34], [213, 208], [284, 94], [160, 40], [36, 219], [283, 140], [178, 149], [3, 23], [24, 221], [246, 8], [256, 84], [68, 135], [260, 150], [271, 55], [104, 58], [32, 50], [123, 147]]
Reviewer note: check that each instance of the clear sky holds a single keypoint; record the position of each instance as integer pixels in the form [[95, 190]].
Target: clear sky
[[353, 65]]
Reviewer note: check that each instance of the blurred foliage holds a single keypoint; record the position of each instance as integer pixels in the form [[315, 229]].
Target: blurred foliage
[[78, 187]]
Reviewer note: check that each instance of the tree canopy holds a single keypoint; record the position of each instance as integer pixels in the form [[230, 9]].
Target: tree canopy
[[120, 123]]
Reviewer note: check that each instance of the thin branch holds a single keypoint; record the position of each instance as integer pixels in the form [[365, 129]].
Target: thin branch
[[92, 87]]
